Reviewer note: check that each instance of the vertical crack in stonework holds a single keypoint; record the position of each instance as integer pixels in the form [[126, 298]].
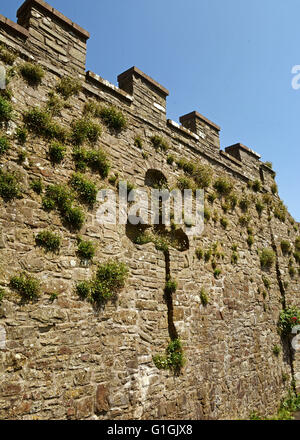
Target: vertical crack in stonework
[[169, 301]]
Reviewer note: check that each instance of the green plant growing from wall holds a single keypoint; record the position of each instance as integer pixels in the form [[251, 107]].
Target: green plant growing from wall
[[26, 285], [53, 297], [225, 206], [217, 272], [110, 279], [22, 156], [138, 142], [113, 179], [9, 186], [159, 143], [57, 153], [292, 271], [174, 358], [224, 222], [95, 159], [68, 87], [285, 247], [266, 282], [83, 289], [86, 249], [244, 204], [259, 207], [7, 56], [211, 197], [40, 122], [6, 110], [288, 318], [55, 104], [199, 253], [48, 240], [204, 297], [232, 200], [32, 73], [37, 185], [276, 350], [267, 199], [161, 244], [274, 188], [280, 211], [234, 257], [285, 377], [244, 220], [6, 94], [185, 165], [170, 159], [207, 255], [85, 130], [170, 287], [185, 183], [85, 189], [250, 240], [267, 258], [143, 238], [4, 145], [207, 215], [61, 198], [256, 186], [223, 186], [113, 118], [202, 175], [21, 135], [297, 256], [290, 405], [2, 294]]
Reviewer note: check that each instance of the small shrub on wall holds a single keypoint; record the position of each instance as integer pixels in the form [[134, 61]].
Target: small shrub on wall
[[61, 198], [40, 122], [267, 258], [7, 56], [48, 240], [57, 153], [223, 186], [110, 279], [288, 318], [4, 144], [86, 249], [113, 118], [173, 360], [26, 285], [85, 130], [97, 160], [85, 189], [68, 87], [159, 143], [32, 73], [9, 186], [6, 110]]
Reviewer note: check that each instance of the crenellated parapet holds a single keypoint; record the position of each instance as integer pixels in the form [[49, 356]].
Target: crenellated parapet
[[54, 36], [56, 42]]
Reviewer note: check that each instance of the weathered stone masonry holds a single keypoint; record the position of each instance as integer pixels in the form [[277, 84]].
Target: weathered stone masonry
[[67, 360]]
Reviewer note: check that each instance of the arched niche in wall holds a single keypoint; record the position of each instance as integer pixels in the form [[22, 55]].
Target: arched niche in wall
[[155, 179]]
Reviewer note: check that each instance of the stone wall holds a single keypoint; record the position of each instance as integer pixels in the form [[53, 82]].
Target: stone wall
[[69, 360]]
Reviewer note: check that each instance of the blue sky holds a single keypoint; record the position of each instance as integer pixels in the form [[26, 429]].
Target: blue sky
[[230, 60]]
